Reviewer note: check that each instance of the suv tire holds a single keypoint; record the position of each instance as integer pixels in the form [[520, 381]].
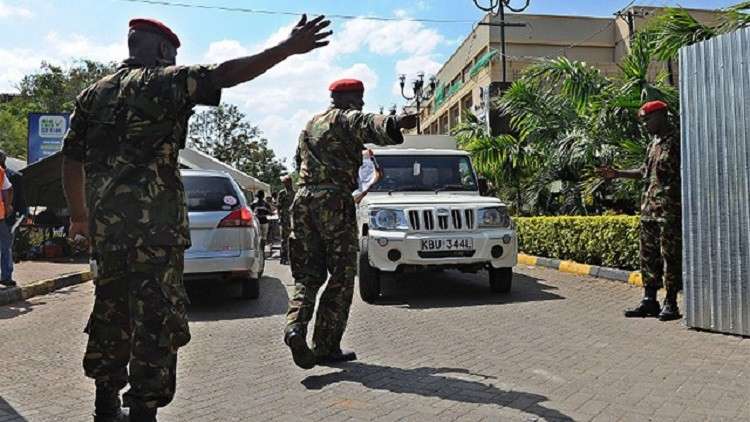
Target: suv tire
[[369, 277], [250, 288], [501, 279]]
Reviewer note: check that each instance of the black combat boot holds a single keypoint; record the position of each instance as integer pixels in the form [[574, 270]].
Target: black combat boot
[[139, 413], [649, 306], [670, 311], [107, 406], [337, 356], [301, 353]]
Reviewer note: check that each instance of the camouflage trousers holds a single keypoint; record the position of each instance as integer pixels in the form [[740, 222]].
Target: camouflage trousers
[[323, 241], [661, 253], [286, 231], [138, 323]]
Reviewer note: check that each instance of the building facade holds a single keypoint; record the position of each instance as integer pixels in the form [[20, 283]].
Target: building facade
[[473, 74]]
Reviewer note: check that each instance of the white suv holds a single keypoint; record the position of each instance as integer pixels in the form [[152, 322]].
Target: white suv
[[225, 235], [427, 213]]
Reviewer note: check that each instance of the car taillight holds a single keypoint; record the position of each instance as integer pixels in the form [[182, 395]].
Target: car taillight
[[242, 217]]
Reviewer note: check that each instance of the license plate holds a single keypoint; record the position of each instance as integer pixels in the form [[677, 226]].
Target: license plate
[[447, 244]]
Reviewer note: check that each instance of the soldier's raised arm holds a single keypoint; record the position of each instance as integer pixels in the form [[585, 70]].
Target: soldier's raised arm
[[305, 37], [379, 129], [348, 95]]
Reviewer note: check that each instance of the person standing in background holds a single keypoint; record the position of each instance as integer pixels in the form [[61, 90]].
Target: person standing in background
[[7, 213]]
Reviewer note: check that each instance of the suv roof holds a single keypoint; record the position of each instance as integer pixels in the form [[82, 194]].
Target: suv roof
[[420, 151], [207, 173]]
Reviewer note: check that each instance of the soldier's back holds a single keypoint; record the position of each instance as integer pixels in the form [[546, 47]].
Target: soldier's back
[[132, 127]]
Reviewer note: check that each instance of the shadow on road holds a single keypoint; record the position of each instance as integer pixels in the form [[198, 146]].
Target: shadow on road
[[7, 413], [221, 301], [432, 382], [454, 289], [16, 309]]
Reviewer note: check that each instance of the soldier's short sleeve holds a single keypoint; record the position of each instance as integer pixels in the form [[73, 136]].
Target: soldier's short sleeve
[[193, 85], [370, 128], [74, 142]]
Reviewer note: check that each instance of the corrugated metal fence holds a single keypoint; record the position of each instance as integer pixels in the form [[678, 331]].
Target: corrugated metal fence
[[715, 113]]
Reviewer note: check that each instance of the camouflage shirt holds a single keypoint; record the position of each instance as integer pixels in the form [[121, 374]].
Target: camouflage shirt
[[662, 195], [285, 204], [330, 147], [127, 130]]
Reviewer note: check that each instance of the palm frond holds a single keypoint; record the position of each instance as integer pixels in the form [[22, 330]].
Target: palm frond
[[675, 29]]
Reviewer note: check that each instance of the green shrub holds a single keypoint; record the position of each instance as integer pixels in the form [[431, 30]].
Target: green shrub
[[609, 241]]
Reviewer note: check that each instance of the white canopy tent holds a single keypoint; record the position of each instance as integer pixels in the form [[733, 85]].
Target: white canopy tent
[[197, 160]]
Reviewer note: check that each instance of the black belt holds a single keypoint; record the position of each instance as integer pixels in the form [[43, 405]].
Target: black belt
[[323, 187]]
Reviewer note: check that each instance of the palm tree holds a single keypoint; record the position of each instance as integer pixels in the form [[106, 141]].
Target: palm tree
[[568, 118], [505, 159]]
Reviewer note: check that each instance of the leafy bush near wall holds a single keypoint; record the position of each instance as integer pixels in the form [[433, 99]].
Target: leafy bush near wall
[[609, 241]]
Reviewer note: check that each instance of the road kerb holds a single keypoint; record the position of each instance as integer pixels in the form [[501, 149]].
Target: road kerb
[[572, 267], [43, 287]]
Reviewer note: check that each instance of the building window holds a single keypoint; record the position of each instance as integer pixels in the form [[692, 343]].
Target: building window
[[455, 116], [467, 103], [444, 126], [465, 73], [479, 55]]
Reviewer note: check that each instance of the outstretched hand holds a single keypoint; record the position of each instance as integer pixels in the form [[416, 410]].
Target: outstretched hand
[[606, 172], [407, 121], [307, 36]]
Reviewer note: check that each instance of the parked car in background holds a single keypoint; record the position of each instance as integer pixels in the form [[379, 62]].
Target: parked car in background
[[225, 235]]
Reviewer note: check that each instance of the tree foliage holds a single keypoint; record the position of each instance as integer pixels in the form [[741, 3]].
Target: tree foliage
[[225, 133], [52, 89], [568, 118]]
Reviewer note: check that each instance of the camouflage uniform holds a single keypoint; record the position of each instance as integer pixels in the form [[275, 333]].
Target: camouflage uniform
[[661, 212], [128, 129], [324, 229], [285, 204]]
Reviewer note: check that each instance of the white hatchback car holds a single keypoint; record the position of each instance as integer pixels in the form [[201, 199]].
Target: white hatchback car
[[225, 235]]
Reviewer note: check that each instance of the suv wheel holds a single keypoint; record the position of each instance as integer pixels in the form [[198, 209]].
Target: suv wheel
[[250, 288], [501, 279], [369, 277]]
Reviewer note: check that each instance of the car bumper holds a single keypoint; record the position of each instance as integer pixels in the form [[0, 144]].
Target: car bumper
[[381, 243], [221, 262]]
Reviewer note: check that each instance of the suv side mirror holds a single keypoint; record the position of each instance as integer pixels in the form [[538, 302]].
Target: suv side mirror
[[484, 188]]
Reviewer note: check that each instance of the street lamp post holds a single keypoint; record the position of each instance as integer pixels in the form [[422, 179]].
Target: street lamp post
[[498, 8], [418, 93]]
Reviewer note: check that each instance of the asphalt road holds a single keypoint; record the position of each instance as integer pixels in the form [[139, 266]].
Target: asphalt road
[[440, 347]]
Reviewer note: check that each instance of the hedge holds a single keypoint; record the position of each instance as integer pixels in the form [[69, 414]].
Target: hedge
[[609, 241]]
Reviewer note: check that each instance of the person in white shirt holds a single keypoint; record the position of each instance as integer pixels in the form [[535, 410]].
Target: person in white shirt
[[369, 175]]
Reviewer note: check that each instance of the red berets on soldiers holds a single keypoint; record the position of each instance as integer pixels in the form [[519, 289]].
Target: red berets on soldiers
[[347, 85], [153, 25], [651, 107]]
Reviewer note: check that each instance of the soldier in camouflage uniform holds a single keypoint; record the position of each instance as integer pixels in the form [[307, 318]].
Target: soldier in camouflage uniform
[[124, 191], [324, 232], [285, 198], [661, 215]]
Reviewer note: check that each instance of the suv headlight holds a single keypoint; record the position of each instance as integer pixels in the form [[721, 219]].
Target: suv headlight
[[494, 217], [388, 219]]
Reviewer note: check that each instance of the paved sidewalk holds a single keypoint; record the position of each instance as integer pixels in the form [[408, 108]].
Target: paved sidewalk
[[28, 272], [439, 348]]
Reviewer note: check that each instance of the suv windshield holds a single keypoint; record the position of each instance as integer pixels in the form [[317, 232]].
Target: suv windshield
[[425, 173], [210, 193]]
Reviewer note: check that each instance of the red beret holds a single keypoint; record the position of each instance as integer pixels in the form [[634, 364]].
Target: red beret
[[345, 85], [153, 25], [651, 107]]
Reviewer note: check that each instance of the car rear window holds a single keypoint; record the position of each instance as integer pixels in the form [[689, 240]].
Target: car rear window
[[207, 193]]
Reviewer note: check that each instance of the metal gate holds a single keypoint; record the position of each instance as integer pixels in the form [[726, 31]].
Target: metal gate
[[715, 116]]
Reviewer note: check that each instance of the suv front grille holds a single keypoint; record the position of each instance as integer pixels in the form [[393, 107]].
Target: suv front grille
[[452, 220]]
